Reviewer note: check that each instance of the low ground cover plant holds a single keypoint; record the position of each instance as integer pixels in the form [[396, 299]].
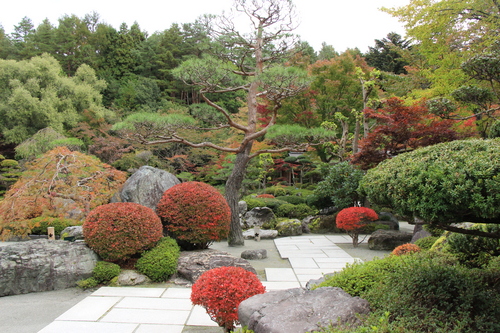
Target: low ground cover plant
[[160, 262], [103, 273], [117, 231], [221, 290]]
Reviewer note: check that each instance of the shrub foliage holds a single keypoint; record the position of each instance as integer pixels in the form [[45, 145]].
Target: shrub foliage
[[59, 181], [195, 214], [117, 231], [441, 184], [161, 261], [353, 219], [405, 249], [221, 290]]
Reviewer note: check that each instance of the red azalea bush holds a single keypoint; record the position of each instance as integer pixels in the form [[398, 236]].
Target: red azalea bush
[[352, 219], [270, 196], [406, 249], [221, 290], [117, 231], [195, 214]]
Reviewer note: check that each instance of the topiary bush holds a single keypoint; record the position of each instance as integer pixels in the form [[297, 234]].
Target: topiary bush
[[293, 199], [426, 243], [353, 219], [405, 249], [161, 261], [277, 191], [117, 231], [474, 251], [221, 290], [425, 292], [40, 224], [268, 196], [104, 271], [441, 184], [431, 292], [299, 211], [254, 202], [195, 214]]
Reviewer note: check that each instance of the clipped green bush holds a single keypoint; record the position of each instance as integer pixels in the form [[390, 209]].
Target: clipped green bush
[[40, 224], [87, 283], [254, 202], [104, 271], [117, 231], [299, 211], [195, 214], [277, 191], [274, 204], [426, 242], [161, 261], [359, 278], [444, 183], [474, 251], [431, 292], [293, 199]]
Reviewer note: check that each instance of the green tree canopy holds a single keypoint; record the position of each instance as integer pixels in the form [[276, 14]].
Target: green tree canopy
[[36, 94], [442, 184]]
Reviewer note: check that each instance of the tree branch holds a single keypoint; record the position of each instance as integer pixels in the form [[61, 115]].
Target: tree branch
[[467, 231]]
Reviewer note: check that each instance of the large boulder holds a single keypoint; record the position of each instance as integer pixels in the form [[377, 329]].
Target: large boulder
[[192, 264], [419, 232], [299, 310], [261, 217], [147, 185], [388, 219], [388, 240], [43, 265]]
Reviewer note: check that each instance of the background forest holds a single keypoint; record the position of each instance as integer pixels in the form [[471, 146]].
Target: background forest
[[79, 77]]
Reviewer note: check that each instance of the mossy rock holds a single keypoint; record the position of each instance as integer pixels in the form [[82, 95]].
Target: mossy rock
[[290, 227]]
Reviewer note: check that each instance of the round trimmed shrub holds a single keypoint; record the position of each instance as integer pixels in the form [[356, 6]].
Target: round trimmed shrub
[[474, 251], [117, 231], [195, 214], [254, 202], [269, 196], [105, 271], [299, 211], [221, 290], [161, 261], [405, 249], [293, 199]]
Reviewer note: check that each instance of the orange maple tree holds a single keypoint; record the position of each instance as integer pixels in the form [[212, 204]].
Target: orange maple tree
[[58, 182]]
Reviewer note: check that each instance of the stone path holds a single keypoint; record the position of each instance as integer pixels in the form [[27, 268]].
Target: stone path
[[142, 309]]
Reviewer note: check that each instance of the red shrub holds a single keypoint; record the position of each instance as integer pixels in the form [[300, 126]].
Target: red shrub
[[406, 249], [221, 290], [354, 218], [117, 231], [195, 214], [270, 196]]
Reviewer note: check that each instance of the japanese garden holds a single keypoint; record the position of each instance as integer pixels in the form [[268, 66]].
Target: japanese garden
[[157, 146]]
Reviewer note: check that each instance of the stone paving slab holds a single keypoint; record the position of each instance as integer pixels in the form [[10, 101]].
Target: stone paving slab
[[151, 310], [90, 309], [86, 327]]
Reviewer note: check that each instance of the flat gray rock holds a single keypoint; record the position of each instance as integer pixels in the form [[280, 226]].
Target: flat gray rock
[[299, 310]]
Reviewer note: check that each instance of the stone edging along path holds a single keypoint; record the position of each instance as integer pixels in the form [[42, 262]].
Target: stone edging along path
[[141, 310]]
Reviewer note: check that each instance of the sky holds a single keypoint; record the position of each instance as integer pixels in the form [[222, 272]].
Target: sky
[[340, 23]]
